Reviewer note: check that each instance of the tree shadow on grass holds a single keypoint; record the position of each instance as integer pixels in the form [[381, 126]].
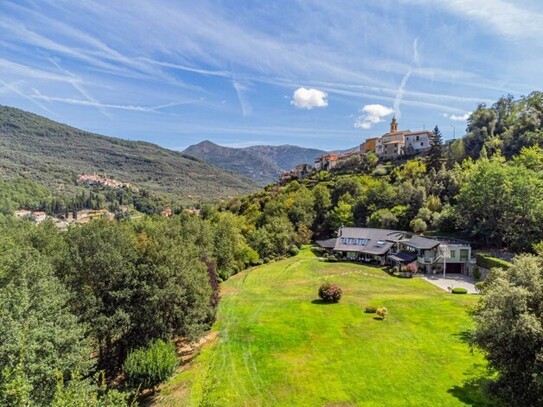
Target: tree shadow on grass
[[464, 336], [474, 391]]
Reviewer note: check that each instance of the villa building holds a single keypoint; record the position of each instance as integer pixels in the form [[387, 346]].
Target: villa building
[[399, 248]]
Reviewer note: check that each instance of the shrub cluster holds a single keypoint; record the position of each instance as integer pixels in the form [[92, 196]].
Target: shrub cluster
[[294, 250], [459, 290], [148, 367], [488, 262], [330, 258], [371, 310], [330, 292]]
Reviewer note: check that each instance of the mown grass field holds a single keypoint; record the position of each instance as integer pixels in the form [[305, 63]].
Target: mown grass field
[[277, 347]]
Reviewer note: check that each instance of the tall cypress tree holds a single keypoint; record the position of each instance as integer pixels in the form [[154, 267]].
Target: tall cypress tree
[[436, 151]]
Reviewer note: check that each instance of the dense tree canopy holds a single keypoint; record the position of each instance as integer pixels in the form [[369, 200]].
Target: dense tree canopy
[[507, 126], [39, 338], [510, 333]]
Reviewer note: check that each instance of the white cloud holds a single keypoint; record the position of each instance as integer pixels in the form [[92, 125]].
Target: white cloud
[[372, 114], [457, 117], [304, 98]]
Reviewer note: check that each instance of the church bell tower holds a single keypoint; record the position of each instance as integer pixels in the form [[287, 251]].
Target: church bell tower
[[394, 125]]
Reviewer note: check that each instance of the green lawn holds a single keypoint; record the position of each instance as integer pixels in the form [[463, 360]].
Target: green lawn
[[276, 347]]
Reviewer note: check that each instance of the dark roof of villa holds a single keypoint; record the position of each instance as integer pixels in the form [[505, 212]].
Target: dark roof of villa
[[376, 241], [327, 244], [403, 257], [421, 243], [367, 240]]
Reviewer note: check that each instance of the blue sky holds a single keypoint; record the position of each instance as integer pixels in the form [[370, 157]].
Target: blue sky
[[324, 74]]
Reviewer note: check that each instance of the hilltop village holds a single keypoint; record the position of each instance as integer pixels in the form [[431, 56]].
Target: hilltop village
[[390, 146]]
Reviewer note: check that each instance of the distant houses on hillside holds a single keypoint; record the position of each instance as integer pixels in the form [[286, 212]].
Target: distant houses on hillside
[[394, 144], [99, 180]]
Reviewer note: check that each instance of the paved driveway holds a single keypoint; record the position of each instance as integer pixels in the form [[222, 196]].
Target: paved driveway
[[452, 280]]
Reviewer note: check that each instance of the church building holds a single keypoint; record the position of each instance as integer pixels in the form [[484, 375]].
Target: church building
[[397, 143]]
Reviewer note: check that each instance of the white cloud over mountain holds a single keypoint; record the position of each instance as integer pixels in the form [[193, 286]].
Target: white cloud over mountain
[[304, 98]]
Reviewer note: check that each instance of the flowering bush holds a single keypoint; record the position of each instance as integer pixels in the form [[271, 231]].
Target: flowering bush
[[330, 292], [411, 268]]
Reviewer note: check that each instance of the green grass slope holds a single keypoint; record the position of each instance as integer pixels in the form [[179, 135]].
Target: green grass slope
[[53, 154], [277, 347]]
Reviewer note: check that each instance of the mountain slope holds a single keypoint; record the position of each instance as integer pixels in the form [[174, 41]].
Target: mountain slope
[[264, 164], [53, 154]]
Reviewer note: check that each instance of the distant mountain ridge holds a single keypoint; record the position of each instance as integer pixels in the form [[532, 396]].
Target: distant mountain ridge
[[264, 164], [54, 154]]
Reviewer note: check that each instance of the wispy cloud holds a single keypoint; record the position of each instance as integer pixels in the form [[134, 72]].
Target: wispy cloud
[[509, 18], [246, 108], [403, 83], [13, 87], [76, 83], [94, 103]]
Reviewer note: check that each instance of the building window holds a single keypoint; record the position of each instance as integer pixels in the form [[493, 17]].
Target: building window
[[422, 143], [464, 254], [417, 138], [453, 254]]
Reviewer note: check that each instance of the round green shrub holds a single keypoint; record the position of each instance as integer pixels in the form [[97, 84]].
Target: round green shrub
[[332, 259], [330, 292], [371, 310], [150, 366], [394, 270], [459, 290], [294, 250]]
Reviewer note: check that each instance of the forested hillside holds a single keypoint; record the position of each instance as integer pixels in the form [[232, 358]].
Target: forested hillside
[[53, 154], [496, 199], [264, 164]]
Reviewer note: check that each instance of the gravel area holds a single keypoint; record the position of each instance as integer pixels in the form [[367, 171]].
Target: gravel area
[[453, 281]]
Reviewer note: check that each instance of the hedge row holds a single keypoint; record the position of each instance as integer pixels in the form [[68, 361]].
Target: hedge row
[[488, 262]]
